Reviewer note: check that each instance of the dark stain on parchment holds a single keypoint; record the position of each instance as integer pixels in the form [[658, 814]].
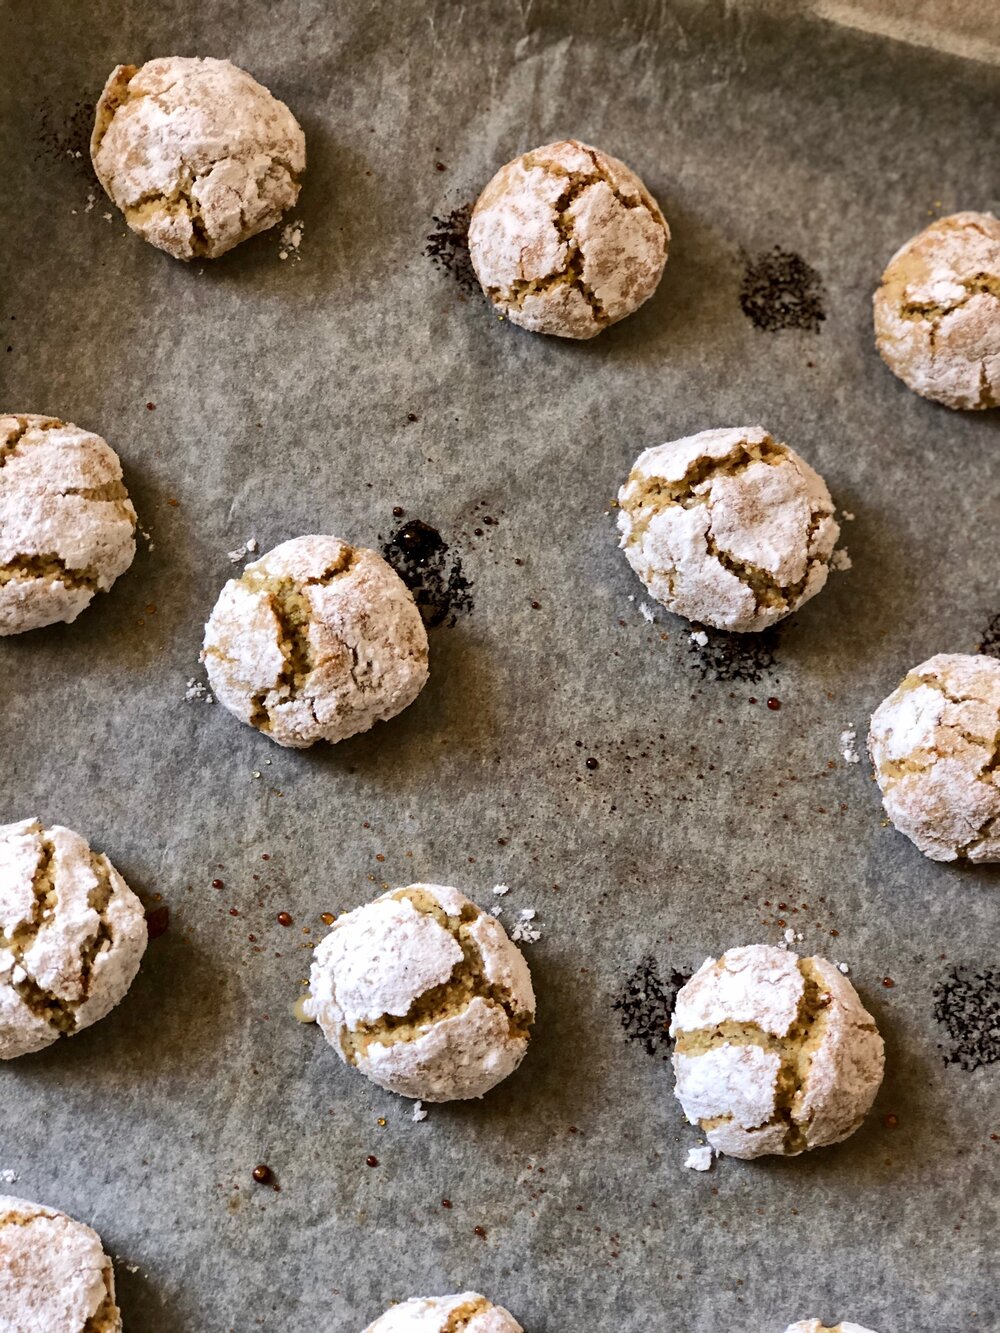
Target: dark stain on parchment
[[780, 290], [447, 248], [645, 1005], [64, 132], [990, 643], [967, 1005], [729, 657], [432, 572]]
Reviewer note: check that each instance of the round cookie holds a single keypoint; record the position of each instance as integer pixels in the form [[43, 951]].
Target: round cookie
[[54, 1274], [424, 994], [316, 641], [196, 154], [814, 1326], [937, 312], [728, 527], [935, 744], [774, 1053], [67, 526], [567, 240], [72, 936], [467, 1312]]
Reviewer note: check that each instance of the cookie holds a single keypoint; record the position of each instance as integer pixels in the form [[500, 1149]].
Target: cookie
[[54, 1274], [937, 312], [196, 154], [315, 641], [935, 744], [424, 994], [567, 240], [466, 1313], [67, 526], [774, 1054], [728, 527], [72, 936]]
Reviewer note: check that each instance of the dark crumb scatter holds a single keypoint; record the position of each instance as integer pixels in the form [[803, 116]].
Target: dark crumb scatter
[[592, 763], [284, 919], [990, 644], [780, 290], [967, 1005], [420, 556], [157, 921], [445, 1203], [371, 1161], [480, 1232], [646, 1004], [263, 1174], [64, 132], [735, 656], [448, 247], [774, 704]]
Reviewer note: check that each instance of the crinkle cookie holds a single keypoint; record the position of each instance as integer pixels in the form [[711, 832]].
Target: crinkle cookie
[[72, 936], [424, 993], [937, 312], [466, 1313], [316, 641], [774, 1053], [67, 526], [567, 240], [728, 527], [54, 1274], [196, 154], [935, 747], [814, 1326]]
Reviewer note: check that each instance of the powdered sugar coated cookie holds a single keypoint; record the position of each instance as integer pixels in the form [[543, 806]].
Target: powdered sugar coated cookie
[[774, 1054], [728, 527], [934, 744], [937, 312], [424, 993], [72, 936], [567, 240], [467, 1312], [196, 153], [54, 1274], [316, 640], [67, 526]]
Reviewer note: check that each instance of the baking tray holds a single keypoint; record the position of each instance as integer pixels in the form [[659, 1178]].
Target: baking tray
[[360, 376]]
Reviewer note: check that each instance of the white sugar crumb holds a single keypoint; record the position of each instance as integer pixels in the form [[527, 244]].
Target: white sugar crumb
[[239, 553], [108, 217], [290, 240], [842, 967], [91, 200], [8, 1177], [198, 692], [523, 932], [841, 560], [700, 638], [501, 889], [789, 936], [418, 1112], [848, 746], [646, 611], [847, 515], [699, 1159]]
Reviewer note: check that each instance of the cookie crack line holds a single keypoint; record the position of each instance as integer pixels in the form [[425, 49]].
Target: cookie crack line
[[24, 424], [983, 284], [48, 565], [459, 1318], [42, 1003]]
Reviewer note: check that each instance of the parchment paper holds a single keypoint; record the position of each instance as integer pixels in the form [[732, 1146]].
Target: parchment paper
[[260, 397]]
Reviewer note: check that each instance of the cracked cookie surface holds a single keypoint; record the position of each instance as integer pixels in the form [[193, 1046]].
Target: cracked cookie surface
[[935, 747], [54, 1274], [468, 1312], [814, 1326], [728, 527], [315, 641], [424, 993], [67, 526], [937, 312], [72, 936], [774, 1054], [196, 154], [567, 240]]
